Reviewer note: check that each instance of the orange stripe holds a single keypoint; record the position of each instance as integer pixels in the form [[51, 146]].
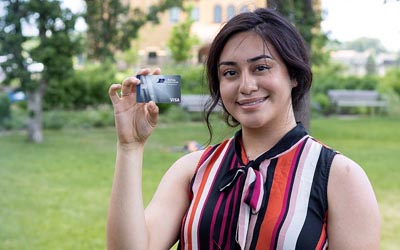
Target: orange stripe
[[322, 238], [201, 189], [243, 154], [275, 202]]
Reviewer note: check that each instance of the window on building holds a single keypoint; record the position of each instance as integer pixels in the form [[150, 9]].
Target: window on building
[[244, 9], [217, 14], [230, 12], [195, 14], [152, 57], [174, 13]]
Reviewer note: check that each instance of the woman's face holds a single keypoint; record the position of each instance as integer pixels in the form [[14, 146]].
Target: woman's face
[[255, 85]]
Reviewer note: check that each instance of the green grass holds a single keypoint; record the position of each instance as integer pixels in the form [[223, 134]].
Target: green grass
[[55, 195]]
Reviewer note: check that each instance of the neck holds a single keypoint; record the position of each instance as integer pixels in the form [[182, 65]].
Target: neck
[[259, 140]]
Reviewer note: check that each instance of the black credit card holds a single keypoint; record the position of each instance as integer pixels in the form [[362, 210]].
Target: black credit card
[[159, 88]]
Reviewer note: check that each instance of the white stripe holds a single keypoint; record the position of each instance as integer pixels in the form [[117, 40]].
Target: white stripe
[[302, 200], [205, 193]]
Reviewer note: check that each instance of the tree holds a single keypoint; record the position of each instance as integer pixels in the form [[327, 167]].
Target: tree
[[182, 41], [112, 26], [365, 44], [303, 15], [371, 67], [52, 50]]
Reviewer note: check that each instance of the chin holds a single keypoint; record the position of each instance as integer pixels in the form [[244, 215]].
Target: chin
[[254, 124]]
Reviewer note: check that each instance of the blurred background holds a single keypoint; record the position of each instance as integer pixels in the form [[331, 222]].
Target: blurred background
[[58, 58]]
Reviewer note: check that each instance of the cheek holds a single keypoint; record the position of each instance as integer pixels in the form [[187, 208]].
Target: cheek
[[227, 93], [227, 89]]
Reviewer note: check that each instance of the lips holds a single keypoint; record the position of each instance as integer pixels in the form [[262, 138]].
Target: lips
[[252, 101]]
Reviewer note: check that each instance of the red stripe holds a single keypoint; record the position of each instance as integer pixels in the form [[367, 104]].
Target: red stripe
[[276, 202], [322, 238], [196, 201]]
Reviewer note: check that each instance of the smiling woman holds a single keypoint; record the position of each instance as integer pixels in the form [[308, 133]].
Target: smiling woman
[[269, 186], [255, 85]]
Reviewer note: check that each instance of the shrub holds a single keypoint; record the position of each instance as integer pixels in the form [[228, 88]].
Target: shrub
[[86, 87], [17, 119], [4, 108], [391, 81], [101, 116], [192, 78]]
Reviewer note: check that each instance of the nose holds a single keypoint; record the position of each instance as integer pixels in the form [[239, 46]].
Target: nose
[[248, 83]]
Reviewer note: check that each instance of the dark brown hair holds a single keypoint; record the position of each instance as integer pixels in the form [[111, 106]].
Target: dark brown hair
[[274, 29]]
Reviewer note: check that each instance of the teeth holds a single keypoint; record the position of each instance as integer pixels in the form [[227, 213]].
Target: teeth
[[252, 103]]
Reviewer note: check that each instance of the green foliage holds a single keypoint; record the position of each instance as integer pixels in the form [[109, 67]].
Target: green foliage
[[371, 67], [327, 76], [321, 103], [102, 116], [103, 34], [182, 40], [87, 87], [113, 32], [56, 119], [4, 108], [192, 77], [391, 81], [365, 44], [330, 76], [56, 45], [53, 48], [301, 14], [17, 119], [11, 43]]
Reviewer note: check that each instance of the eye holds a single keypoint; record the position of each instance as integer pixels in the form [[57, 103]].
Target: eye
[[229, 73], [262, 67]]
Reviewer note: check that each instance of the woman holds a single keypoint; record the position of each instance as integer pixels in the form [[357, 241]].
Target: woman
[[271, 186]]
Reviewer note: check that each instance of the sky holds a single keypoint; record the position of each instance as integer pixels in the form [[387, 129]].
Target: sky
[[347, 20]]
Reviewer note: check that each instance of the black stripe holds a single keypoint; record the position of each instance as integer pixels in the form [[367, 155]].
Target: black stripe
[[318, 206]]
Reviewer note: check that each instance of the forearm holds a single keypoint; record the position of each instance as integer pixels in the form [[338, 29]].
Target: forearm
[[126, 228]]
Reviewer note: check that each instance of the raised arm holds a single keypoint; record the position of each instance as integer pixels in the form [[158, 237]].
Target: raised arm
[[129, 225], [353, 213]]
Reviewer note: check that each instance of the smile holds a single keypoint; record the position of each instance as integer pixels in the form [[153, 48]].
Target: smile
[[251, 102]]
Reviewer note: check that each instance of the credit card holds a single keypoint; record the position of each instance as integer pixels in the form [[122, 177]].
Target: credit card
[[159, 88]]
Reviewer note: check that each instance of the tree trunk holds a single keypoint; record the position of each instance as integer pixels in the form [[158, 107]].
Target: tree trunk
[[35, 129]]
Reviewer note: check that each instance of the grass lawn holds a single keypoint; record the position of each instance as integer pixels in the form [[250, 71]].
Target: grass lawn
[[55, 195]]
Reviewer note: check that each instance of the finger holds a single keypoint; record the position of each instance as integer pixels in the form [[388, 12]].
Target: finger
[[144, 71], [112, 92], [129, 86], [152, 110], [157, 71]]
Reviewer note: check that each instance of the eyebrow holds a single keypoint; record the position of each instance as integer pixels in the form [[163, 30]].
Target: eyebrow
[[253, 59]]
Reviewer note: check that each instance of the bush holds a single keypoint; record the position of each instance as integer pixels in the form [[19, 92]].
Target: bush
[[17, 119], [4, 108], [391, 82], [102, 116], [331, 76], [86, 87], [192, 78]]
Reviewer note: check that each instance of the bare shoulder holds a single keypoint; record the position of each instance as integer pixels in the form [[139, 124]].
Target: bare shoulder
[[187, 164], [173, 194], [345, 170], [353, 213]]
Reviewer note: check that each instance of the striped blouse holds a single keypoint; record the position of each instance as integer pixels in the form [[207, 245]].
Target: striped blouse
[[278, 201]]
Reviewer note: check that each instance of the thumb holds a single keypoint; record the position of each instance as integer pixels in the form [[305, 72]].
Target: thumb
[[152, 110]]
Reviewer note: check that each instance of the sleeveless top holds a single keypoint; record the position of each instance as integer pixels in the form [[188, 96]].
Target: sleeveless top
[[277, 201]]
